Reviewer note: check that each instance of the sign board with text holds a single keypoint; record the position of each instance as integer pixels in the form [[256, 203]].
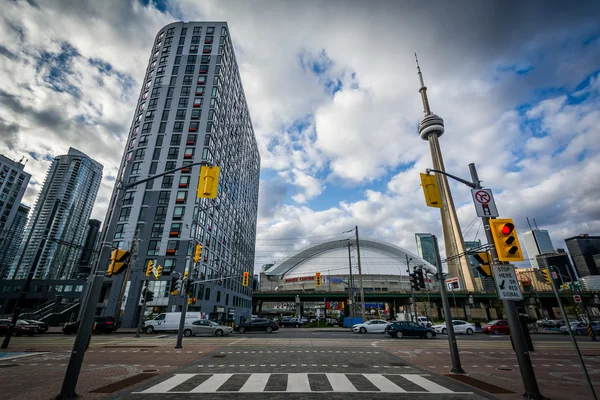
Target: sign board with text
[[507, 284], [453, 284], [484, 203]]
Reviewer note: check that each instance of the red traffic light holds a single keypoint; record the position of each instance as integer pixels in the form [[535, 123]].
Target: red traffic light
[[507, 229]]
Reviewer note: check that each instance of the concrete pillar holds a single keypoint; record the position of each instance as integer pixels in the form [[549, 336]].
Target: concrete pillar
[[551, 314], [488, 314], [467, 310]]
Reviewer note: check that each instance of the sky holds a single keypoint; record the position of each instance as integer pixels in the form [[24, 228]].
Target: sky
[[333, 96]]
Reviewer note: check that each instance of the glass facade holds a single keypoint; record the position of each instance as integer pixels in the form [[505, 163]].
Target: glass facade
[[425, 247], [191, 109], [12, 240]]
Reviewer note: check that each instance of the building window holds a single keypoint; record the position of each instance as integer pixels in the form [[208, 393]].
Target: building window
[[120, 231], [194, 126], [181, 197], [155, 92], [207, 294], [163, 197], [198, 102], [205, 59], [188, 169], [180, 115], [191, 140], [162, 127], [146, 127], [172, 247], [139, 154], [160, 70], [199, 90], [179, 49], [208, 39], [178, 126], [159, 140], [189, 69], [203, 69], [173, 153], [124, 214], [177, 60], [161, 213], [196, 114], [189, 153], [128, 199], [170, 265], [165, 115], [153, 168], [210, 30], [184, 181], [197, 30], [184, 31], [136, 169], [175, 140], [167, 182], [142, 216], [175, 230], [201, 80], [178, 213], [170, 165], [195, 39], [153, 248], [192, 59], [194, 49], [143, 141], [207, 49], [163, 59]]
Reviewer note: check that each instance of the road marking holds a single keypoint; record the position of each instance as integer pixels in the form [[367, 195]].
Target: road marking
[[211, 384], [426, 384], [383, 383], [298, 383], [169, 384], [255, 383]]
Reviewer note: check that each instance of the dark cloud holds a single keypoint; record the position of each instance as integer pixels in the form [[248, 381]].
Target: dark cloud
[[8, 134], [7, 53], [49, 117]]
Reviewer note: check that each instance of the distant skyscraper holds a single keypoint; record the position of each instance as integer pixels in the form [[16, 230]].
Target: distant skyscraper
[[13, 182], [425, 248], [87, 253], [191, 109], [61, 214], [537, 241], [583, 249], [12, 240]]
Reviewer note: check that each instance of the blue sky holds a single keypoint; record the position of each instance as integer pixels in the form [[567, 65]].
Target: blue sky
[[333, 95]]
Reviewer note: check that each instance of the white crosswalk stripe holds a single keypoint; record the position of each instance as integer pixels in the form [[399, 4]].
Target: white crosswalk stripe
[[298, 383]]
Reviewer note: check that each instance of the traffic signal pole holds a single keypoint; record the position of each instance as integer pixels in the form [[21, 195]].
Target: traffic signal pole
[[143, 310], [412, 287]]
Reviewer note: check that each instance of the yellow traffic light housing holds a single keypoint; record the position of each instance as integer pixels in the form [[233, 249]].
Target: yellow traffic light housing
[[431, 190], [485, 263], [149, 268], [198, 253], [318, 279], [246, 278], [158, 271], [546, 276], [118, 262], [506, 240], [208, 182]]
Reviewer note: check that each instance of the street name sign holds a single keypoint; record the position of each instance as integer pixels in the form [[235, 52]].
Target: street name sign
[[484, 203], [507, 283]]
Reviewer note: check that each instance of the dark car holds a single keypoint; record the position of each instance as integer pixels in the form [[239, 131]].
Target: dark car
[[101, 325], [20, 328], [400, 329], [287, 321], [259, 324], [496, 327], [41, 326]]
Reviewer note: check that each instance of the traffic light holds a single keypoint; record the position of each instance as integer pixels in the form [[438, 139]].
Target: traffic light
[[189, 287], [506, 240], [546, 276], [150, 268], [175, 285], [119, 260], [413, 281], [158, 273], [318, 279], [484, 259], [191, 300], [208, 182], [197, 253], [245, 279], [431, 190], [419, 279]]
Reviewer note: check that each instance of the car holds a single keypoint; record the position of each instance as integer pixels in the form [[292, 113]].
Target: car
[[579, 328], [205, 327], [288, 321], [547, 323], [459, 327], [20, 328], [372, 326], [259, 324], [169, 321], [496, 327], [424, 321], [41, 326], [400, 329], [101, 325]]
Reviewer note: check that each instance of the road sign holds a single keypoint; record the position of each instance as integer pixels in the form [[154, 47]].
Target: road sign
[[453, 284], [507, 284], [585, 318], [577, 298], [484, 203], [554, 275]]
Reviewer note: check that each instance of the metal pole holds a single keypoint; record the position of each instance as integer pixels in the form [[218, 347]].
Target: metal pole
[[126, 277], [412, 287], [143, 310], [182, 317], [360, 281], [27, 286], [82, 339], [456, 367], [351, 284], [562, 310], [532, 390]]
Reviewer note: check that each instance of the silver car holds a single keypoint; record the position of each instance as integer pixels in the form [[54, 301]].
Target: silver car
[[206, 327]]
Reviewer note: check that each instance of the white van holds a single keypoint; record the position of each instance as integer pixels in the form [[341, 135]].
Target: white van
[[169, 321]]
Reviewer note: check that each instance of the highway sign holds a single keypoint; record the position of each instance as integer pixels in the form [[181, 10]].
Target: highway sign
[[585, 318], [484, 203], [507, 284], [577, 298]]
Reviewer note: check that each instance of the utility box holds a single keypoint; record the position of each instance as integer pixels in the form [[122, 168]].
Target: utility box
[[348, 322]]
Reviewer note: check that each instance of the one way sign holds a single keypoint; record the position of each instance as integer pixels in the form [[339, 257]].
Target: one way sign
[[507, 284]]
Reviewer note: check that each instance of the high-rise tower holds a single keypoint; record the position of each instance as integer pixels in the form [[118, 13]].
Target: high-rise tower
[[430, 129], [61, 216], [12, 240], [13, 182], [191, 109]]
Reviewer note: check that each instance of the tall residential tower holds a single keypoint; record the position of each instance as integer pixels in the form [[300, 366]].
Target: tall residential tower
[[60, 216], [191, 109], [13, 182], [430, 129]]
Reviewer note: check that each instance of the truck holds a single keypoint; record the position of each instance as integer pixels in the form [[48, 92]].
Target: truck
[[169, 321]]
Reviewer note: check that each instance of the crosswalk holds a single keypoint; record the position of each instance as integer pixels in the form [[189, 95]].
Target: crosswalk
[[298, 383]]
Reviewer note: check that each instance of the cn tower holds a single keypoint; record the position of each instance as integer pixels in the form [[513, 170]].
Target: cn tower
[[430, 129]]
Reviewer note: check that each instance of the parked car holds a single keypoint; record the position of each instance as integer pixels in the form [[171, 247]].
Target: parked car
[[20, 328], [399, 329], [459, 327], [259, 324], [579, 328], [101, 325], [205, 327], [288, 321], [372, 326], [41, 326], [496, 327], [422, 320], [548, 323]]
